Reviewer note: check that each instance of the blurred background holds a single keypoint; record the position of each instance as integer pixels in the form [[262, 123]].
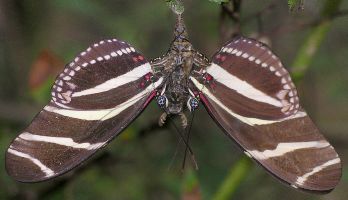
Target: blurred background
[[37, 37]]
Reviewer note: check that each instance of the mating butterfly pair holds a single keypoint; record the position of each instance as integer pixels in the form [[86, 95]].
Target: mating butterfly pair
[[245, 89]]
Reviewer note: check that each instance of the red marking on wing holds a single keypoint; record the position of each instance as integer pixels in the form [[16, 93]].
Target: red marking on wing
[[148, 76], [205, 101], [148, 100], [208, 77]]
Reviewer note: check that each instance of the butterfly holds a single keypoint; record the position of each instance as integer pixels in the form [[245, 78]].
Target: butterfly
[[244, 87]]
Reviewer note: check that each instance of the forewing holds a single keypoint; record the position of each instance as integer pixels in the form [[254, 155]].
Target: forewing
[[251, 96], [93, 100]]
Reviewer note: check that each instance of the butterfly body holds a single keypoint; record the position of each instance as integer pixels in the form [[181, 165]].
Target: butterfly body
[[177, 65]]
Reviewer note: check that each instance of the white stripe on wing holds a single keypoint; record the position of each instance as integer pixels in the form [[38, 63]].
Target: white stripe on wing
[[287, 147], [104, 114], [49, 172], [242, 87], [113, 83], [302, 179], [65, 141], [248, 120]]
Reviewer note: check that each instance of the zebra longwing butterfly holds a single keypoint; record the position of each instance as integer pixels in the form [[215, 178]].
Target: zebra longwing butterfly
[[245, 89]]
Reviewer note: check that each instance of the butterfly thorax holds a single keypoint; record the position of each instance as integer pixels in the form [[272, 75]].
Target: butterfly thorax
[[176, 71]]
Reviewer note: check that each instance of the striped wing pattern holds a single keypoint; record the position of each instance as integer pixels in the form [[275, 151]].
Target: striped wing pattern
[[251, 96], [93, 100]]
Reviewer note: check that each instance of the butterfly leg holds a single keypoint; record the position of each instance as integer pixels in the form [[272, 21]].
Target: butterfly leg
[[162, 119], [201, 61]]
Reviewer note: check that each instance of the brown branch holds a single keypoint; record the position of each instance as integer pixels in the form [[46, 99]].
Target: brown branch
[[230, 12], [234, 12]]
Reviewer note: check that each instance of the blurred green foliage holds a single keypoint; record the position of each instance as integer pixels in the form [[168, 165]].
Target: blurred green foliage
[[219, 1], [231, 183], [318, 33], [43, 93], [293, 3], [134, 166]]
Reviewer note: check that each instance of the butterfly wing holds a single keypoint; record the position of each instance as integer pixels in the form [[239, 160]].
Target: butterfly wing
[[251, 96], [96, 96]]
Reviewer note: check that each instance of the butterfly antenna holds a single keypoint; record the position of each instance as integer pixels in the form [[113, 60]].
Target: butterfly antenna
[[187, 144], [182, 138], [175, 155]]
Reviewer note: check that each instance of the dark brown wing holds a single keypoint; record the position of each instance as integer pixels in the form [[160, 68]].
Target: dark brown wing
[[251, 96], [104, 89]]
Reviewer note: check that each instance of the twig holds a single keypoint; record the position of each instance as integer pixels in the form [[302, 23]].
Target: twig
[[231, 11]]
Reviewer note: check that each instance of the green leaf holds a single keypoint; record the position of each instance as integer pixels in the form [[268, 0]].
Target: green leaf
[[219, 1]]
